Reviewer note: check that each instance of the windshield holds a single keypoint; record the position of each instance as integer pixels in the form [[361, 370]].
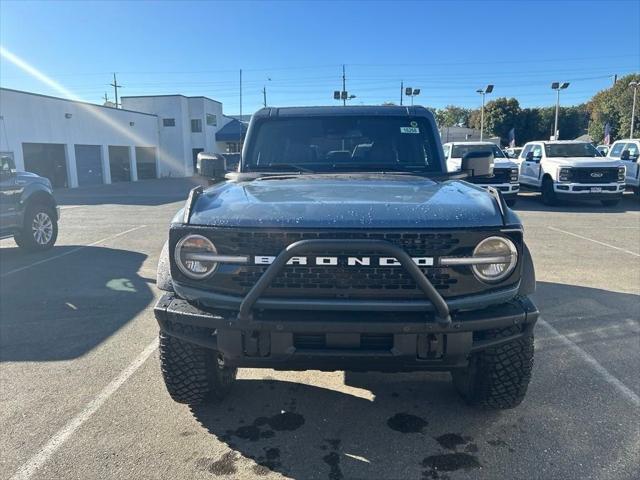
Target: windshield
[[460, 151], [339, 144], [571, 150]]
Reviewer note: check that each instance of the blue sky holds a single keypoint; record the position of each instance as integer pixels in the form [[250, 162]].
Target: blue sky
[[295, 49]]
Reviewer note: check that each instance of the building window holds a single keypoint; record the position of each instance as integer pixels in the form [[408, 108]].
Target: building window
[[196, 125], [233, 147], [212, 121], [168, 122]]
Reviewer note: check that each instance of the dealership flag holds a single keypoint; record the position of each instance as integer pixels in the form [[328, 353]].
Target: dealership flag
[[607, 133], [512, 137]]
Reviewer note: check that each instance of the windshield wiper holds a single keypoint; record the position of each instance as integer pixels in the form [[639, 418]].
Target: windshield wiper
[[295, 168]]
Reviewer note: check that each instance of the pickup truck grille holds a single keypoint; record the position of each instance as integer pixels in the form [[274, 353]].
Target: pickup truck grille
[[342, 280], [602, 175], [500, 175]]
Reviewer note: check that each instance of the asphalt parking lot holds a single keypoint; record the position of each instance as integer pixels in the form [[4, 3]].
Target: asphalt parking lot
[[81, 394]]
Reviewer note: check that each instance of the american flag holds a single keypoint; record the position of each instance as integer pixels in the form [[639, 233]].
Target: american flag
[[607, 134]]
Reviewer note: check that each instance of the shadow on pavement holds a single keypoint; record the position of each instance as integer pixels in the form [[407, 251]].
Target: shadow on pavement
[[306, 431], [144, 192], [531, 202], [71, 304]]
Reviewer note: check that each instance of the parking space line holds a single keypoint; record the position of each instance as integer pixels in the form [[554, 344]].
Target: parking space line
[[30, 467], [73, 250], [604, 373], [594, 241]]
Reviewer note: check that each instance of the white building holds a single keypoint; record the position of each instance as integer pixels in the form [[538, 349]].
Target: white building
[[78, 144], [188, 126]]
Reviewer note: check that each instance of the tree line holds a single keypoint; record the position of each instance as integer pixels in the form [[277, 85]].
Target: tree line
[[612, 106]]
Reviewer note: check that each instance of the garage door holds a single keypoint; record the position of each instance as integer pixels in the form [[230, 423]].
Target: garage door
[[89, 165], [119, 164], [146, 162], [47, 160]]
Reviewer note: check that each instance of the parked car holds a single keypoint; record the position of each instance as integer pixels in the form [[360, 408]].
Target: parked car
[[603, 149], [505, 172], [344, 244], [571, 170], [28, 211], [627, 152]]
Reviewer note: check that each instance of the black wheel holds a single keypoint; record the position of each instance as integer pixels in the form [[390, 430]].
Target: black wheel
[[511, 202], [610, 203], [192, 374], [40, 229], [497, 377], [548, 194]]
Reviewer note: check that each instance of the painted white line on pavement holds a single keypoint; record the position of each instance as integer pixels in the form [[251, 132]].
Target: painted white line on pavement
[[68, 252], [604, 373], [594, 241], [27, 470]]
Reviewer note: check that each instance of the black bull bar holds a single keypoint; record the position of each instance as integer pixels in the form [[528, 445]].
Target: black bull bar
[[442, 315]]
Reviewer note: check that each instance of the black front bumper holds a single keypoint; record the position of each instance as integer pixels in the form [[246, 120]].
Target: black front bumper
[[280, 339]]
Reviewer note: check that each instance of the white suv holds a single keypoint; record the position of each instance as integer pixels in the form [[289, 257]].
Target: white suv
[[571, 170], [505, 171], [627, 152]]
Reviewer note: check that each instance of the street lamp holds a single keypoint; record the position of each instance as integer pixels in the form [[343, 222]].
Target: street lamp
[[634, 84], [483, 92], [342, 95], [411, 92], [557, 86]]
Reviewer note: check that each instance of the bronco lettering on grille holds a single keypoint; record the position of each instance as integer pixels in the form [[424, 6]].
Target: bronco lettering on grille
[[344, 261]]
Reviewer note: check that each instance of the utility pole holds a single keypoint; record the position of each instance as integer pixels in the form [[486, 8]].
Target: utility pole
[[264, 96], [106, 99], [401, 91], [240, 94], [344, 86], [115, 87], [634, 84], [615, 79]]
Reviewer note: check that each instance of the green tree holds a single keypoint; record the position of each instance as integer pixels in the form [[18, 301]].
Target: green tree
[[452, 115], [500, 116], [613, 106]]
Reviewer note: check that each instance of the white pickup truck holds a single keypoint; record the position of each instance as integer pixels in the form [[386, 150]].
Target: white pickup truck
[[505, 171], [627, 151], [571, 170]]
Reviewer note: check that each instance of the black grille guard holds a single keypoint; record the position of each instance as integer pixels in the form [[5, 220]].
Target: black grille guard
[[308, 246]]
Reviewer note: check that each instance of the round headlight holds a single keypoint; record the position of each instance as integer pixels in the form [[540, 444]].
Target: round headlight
[[502, 254], [192, 254]]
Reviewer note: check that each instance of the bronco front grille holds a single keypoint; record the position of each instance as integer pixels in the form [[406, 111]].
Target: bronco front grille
[[343, 280]]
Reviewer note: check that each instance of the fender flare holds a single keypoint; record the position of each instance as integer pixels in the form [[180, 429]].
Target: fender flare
[[163, 275], [528, 277]]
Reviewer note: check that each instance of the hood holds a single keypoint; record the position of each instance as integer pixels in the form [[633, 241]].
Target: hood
[[346, 201], [455, 163], [30, 177], [584, 162]]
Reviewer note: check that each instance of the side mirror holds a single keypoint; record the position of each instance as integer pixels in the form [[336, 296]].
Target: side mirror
[[625, 155], [478, 164]]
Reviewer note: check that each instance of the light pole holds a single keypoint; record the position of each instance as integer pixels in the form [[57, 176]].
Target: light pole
[[342, 95], [557, 86], [634, 84], [411, 92], [483, 92]]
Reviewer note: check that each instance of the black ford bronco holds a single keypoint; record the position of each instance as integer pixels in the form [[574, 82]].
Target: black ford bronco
[[342, 243], [28, 211]]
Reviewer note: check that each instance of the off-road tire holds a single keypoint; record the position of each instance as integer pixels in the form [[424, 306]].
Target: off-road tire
[[610, 203], [497, 377], [548, 194], [25, 237], [192, 373]]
